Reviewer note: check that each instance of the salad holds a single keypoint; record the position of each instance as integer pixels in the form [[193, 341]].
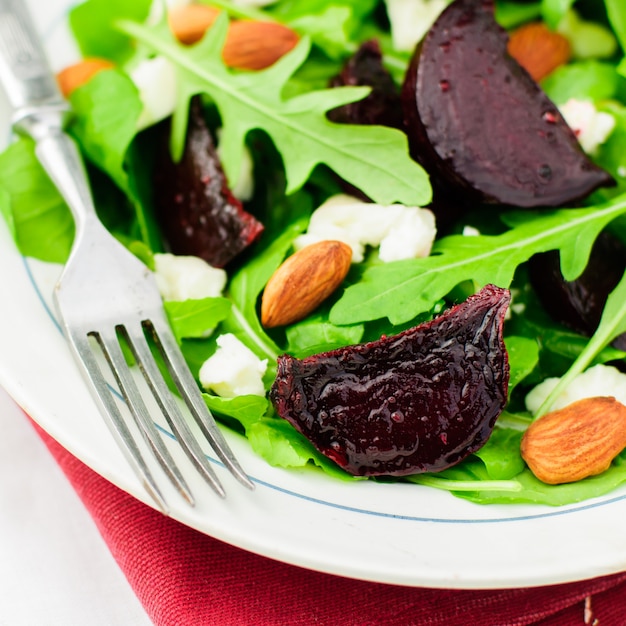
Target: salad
[[300, 146]]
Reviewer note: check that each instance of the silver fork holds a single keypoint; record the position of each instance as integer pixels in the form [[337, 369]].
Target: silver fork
[[106, 297]]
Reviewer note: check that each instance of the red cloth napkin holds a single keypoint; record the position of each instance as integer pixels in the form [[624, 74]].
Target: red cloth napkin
[[185, 578]]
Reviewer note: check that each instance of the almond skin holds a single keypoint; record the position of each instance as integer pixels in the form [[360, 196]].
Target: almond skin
[[575, 442], [304, 281], [73, 76], [189, 23], [538, 49], [253, 45], [249, 45]]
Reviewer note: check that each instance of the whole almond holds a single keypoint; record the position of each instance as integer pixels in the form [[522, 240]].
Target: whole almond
[[304, 281], [575, 442], [538, 49], [79, 73], [255, 45], [188, 23], [249, 45]]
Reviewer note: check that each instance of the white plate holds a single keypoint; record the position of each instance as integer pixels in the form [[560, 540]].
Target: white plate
[[393, 533]]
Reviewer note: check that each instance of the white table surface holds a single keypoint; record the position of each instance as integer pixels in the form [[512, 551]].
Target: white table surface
[[55, 569]]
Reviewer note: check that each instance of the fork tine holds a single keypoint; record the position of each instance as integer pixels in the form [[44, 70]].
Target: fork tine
[[179, 371], [113, 417], [141, 350], [109, 344]]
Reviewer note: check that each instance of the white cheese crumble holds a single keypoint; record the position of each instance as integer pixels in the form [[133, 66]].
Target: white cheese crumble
[[599, 380], [187, 277], [470, 231], [592, 127], [157, 83], [402, 232], [234, 370], [410, 20]]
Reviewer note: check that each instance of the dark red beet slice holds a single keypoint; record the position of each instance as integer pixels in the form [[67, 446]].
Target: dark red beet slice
[[383, 105], [419, 401], [197, 212], [578, 304], [478, 122]]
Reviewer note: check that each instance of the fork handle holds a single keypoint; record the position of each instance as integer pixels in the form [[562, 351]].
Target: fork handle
[[24, 69], [40, 111]]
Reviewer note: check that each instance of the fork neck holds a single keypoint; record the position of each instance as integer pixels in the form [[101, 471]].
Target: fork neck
[[58, 154]]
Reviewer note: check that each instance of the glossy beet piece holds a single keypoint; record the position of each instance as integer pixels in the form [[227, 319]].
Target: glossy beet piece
[[419, 401], [196, 210], [382, 106], [578, 304], [479, 123]]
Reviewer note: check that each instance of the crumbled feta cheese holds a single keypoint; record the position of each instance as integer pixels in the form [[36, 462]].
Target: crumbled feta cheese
[[401, 232], [187, 277], [411, 19], [157, 83], [599, 380], [470, 231], [592, 127], [234, 370]]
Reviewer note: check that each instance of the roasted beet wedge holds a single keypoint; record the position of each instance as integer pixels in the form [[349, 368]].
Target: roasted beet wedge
[[479, 123], [196, 210], [383, 105], [419, 401], [579, 303]]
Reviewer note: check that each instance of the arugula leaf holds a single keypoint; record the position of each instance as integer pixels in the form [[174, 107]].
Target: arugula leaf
[[501, 454], [196, 318], [553, 11], [106, 111], [403, 289], [281, 445], [328, 29], [588, 39], [105, 124], [373, 158], [316, 334], [612, 324], [531, 490], [594, 80], [616, 11], [39, 219], [471, 480], [511, 14], [523, 358], [247, 410], [92, 25]]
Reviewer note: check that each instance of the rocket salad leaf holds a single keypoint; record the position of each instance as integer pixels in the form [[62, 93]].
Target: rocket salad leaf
[[403, 289], [373, 158], [40, 221], [612, 324], [93, 26]]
